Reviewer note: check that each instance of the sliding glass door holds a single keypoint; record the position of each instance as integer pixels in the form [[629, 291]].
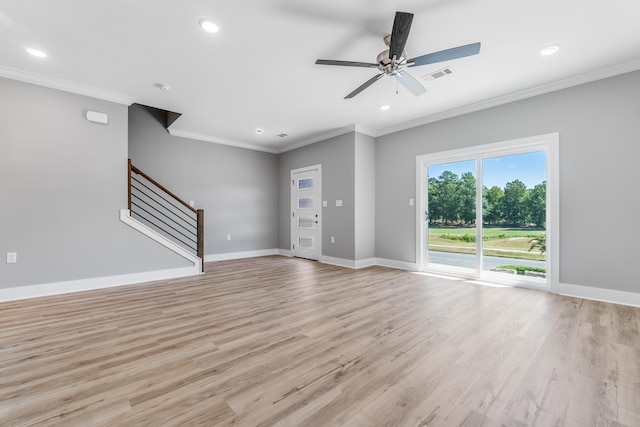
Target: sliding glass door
[[484, 212]]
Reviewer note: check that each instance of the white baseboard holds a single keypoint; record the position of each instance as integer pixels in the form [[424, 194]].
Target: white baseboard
[[598, 294], [337, 261], [285, 252], [48, 289], [238, 255], [367, 262], [392, 263]]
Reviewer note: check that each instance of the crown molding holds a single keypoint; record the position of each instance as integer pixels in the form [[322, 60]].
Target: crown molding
[[208, 138], [320, 137], [589, 77], [53, 83]]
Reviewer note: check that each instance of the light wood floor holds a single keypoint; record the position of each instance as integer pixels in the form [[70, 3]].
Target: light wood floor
[[289, 342]]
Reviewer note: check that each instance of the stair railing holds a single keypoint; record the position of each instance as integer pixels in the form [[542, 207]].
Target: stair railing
[[161, 210]]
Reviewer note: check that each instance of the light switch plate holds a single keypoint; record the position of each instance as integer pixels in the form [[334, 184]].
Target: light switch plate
[[410, 202], [338, 203], [12, 257], [324, 203]]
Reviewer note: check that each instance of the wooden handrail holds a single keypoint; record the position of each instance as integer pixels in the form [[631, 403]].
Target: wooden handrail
[[200, 214], [154, 182], [129, 178]]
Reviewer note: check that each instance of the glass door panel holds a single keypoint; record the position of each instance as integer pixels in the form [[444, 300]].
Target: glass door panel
[[514, 215], [451, 215]]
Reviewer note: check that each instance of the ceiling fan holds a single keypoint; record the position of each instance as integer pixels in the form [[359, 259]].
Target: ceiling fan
[[393, 60]]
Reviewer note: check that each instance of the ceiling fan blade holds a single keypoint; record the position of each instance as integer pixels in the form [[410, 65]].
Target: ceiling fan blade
[[400, 33], [445, 55], [346, 63], [365, 85], [410, 83]]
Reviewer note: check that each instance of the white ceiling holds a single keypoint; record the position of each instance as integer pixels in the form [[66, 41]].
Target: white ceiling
[[259, 71]]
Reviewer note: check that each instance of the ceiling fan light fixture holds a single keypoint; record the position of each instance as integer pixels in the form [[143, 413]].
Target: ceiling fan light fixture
[[550, 50], [36, 52], [209, 26]]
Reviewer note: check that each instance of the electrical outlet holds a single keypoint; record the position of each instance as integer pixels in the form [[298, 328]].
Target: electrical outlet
[[12, 257], [228, 236]]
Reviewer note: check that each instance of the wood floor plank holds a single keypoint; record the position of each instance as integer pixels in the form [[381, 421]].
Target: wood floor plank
[[290, 342]]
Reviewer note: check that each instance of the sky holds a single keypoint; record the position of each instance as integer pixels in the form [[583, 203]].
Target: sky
[[529, 168]]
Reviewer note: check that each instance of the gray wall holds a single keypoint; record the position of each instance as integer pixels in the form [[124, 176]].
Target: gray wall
[[62, 183], [365, 193], [599, 126], [337, 157], [237, 188]]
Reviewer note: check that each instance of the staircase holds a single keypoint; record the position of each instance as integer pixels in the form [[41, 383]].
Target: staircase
[[161, 215]]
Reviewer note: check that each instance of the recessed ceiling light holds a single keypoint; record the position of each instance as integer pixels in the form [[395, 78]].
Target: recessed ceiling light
[[36, 52], [550, 50], [384, 107], [259, 131], [209, 26], [163, 87]]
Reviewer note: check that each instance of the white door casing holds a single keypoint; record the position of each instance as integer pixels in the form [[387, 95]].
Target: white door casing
[[306, 209]]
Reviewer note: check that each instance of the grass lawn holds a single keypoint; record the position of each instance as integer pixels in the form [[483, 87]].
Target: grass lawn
[[497, 241]]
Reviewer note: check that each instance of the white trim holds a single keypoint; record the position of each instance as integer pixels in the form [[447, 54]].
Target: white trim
[[284, 252], [598, 294], [364, 263], [401, 265], [249, 146], [216, 140], [53, 83], [369, 262], [340, 262], [57, 288], [239, 255], [616, 70], [125, 216], [321, 137], [365, 130]]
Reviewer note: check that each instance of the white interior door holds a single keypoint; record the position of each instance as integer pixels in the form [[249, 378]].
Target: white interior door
[[306, 236]]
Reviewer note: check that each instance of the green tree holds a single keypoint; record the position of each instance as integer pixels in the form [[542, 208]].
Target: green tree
[[467, 192], [434, 211], [540, 243], [449, 196], [537, 204], [492, 201], [515, 211]]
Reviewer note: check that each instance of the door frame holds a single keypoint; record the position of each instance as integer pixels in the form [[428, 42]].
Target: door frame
[[548, 143], [293, 203]]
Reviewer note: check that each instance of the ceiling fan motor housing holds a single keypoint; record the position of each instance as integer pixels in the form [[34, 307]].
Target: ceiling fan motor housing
[[387, 65]]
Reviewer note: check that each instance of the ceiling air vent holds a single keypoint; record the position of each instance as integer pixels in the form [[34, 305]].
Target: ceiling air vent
[[282, 135], [437, 74]]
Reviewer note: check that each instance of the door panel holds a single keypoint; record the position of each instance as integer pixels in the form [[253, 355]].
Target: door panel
[[305, 213]]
